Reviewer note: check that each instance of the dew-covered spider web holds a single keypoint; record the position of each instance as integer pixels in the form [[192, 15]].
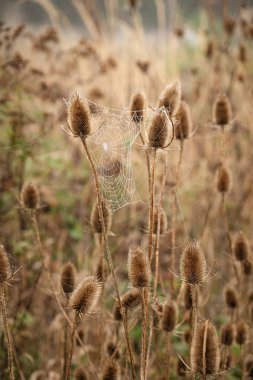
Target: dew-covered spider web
[[110, 144]]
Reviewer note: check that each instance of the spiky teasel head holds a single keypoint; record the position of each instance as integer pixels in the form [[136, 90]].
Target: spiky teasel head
[[80, 374], [68, 275], [158, 131], [169, 316], [184, 126], [95, 218], [242, 333], [229, 24], [222, 111], [188, 296], [78, 116], [248, 366], [205, 354], [242, 54], [241, 247], [193, 266], [137, 106], [30, 196], [5, 268], [131, 299], [163, 221], [231, 297], [223, 179], [170, 98], [227, 334], [85, 297], [111, 371], [138, 267]]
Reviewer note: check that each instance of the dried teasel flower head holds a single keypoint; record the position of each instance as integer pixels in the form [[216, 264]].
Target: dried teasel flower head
[[170, 98], [242, 54], [85, 297], [193, 268], [111, 371], [68, 275], [158, 131], [80, 374], [223, 179], [227, 334], [222, 111], [188, 336], [78, 116], [231, 298], [137, 106], [242, 333], [5, 268], [30, 196], [131, 299], [95, 218], [209, 49], [247, 268], [241, 247], [205, 354], [169, 316], [229, 24], [112, 350], [138, 267], [184, 126], [163, 221]]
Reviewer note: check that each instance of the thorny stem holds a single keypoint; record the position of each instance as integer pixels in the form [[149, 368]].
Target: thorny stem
[[43, 256], [194, 307], [107, 249], [204, 351], [7, 333], [147, 156], [71, 346], [151, 207], [144, 296], [229, 238]]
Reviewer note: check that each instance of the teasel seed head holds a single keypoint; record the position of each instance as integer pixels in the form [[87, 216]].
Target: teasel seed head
[[101, 271], [193, 266], [68, 275], [113, 351], [170, 98], [205, 354], [227, 334], [188, 296], [247, 268], [111, 371], [137, 106], [231, 298], [78, 116], [242, 333], [242, 54], [80, 374], [112, 168], [222, 111], [85, 297], [188, 336], [131, 299], [163, 221], [158, 131], [169, 316], [184, 126], [30, 196], [224, 179], [5, 268], [248, 366], [138, 267], [241, 247], [95, 218]]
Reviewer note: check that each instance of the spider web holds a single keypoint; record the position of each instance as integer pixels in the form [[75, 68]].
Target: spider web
[[111, 145]]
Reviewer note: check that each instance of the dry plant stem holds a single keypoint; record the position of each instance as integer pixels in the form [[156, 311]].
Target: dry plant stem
[[194, 307], [151, 207], [173, 237], [144, 299], [7, 333], [229, 238], [147, 156], [43, 256], [71, 346], [107, 249], [204, 353], [65, 349]]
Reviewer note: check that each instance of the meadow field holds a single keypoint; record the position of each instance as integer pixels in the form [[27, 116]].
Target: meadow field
[[126, 192]]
